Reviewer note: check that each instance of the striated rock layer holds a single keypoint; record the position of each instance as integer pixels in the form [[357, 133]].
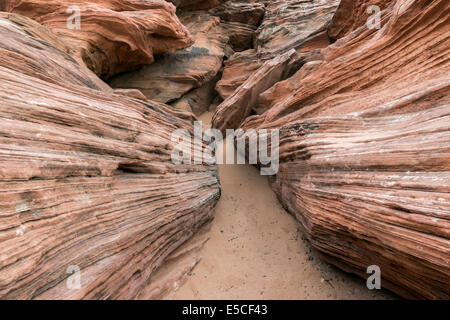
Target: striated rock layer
[[187, 79], [85, 173], [365, 146], [240, 20], [291, 24], [112, 36], [174, 75], [86, 177], [235, 109], [193, 5], [343, 23]]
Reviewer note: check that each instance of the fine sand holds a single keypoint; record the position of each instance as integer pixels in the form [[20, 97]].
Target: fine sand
[[256, 250]]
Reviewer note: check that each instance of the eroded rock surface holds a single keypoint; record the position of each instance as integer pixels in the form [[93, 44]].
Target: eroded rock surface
[[365, 147], [235, 109], [187, 79], [361, 10], [113, 36], [292, 24], [85, 173], [240, 20], [174, 75], [86, 178], [194, 5]]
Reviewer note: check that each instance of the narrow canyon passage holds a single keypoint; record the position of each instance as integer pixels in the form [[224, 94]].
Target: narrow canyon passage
[[256, 250], [95, 205]]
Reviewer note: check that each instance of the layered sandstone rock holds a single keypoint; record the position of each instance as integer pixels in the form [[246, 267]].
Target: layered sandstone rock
[[187, 79], [112, 36], [355, 13], [241, 35], [199, 100], [241, 11], [235, 109], [193, 5], [85, 173], [365, 147], [292, 24], [240, 20], [174, 75], [86, 177]]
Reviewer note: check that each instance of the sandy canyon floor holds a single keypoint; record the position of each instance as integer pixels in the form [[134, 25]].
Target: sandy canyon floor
[[256, 250]]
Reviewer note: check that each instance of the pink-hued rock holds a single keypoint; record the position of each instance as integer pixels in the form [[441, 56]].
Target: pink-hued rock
[[240, 20], [365, 148], [56, 66], [286, 25], [199, 100], [173, 75], [113, 36], [132, 93], [86, 177], [249, 12], [186, 79], [343, 23], [236, 108], [241, 35], [193, 5]]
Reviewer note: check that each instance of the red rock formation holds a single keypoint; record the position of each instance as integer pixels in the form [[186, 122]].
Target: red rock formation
[[174, 75], [286, 25], [235, 109], [249, 13], [353, 14], [114, 36], [186, 79], [85, 173], [241, 35], [198, 100], [86, 177], [193, 5], [365, 148], [240, 20]]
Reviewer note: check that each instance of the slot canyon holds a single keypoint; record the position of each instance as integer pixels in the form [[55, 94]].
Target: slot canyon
[[91, 93]]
